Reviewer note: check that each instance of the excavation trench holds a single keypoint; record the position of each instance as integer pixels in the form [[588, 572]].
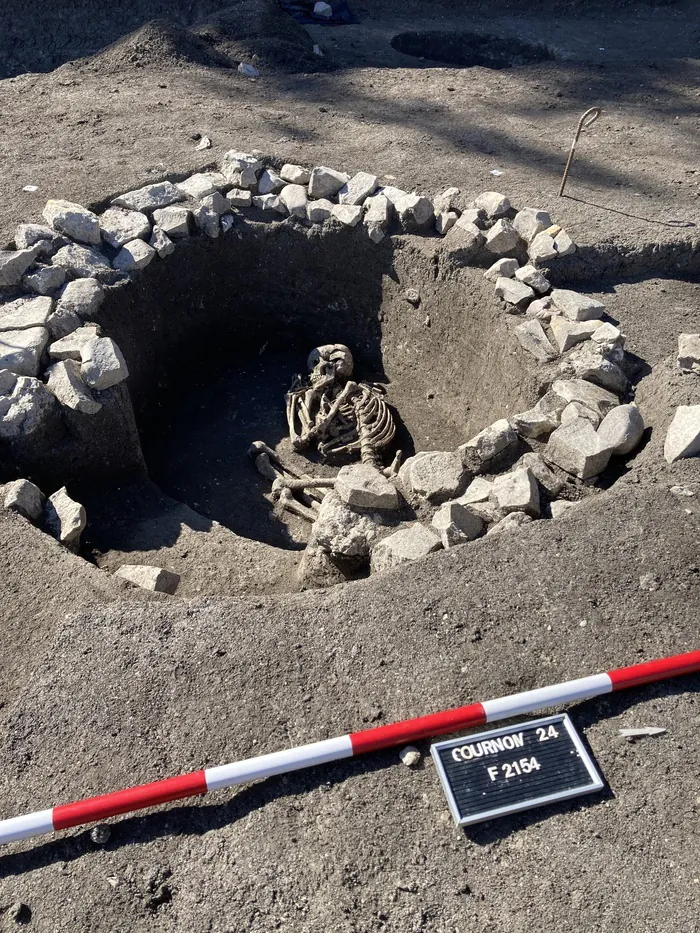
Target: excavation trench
[[470, 49]]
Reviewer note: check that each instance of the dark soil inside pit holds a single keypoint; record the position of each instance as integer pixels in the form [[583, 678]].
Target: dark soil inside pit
[[468, 49]]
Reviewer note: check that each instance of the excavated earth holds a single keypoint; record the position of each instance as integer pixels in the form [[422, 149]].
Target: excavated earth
[[103, 685]]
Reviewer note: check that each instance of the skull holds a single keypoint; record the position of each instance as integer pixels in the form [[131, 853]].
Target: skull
[[331, 359]]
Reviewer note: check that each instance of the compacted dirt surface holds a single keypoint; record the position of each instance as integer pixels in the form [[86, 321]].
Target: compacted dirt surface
[[103, 686]]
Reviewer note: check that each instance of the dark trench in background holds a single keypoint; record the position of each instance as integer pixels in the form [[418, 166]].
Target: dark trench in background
[[469, 49]]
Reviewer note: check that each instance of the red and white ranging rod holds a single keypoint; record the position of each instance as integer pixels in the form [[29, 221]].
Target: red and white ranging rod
[[346, 746]]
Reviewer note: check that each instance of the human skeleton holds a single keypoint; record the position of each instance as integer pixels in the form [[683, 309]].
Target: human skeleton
[[339, 416]]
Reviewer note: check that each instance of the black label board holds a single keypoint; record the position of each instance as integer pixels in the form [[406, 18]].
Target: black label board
[[514, 768]]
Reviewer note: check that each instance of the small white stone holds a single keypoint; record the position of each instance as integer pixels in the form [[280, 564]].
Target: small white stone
[[511, 522], [207, 220], [150, 197], [103, 365], [228, 221], [490, 442], [563, 244], [323, 9], [542, 309], [576, 410], [593, 396], [28, 235], [295, 174], [463, 241], [83, 297], [517, 492], [410, 756], [25, 312], [534, 278], [270, 203], [683, 436], [502, 268], [120, 226], [27, 408], [577, 307], [65, 519], [479, 490], [14, 263], [513, 292], [74, 221], [404, 545], [435, 475], [529, 222], [448, 202], [607, 335], [358, 189], [502, 238], [560, 507], [69, 347], [84, 262], [20, 350], [294, 198], [689, 353], [65, 382], [45, 280], [577, 449], [270, 182], [445, 221], [621, 430], [237, 197], [326, 182], [532, 338], [568, 333], [360, 485], [161, 242], [492, 203], [456, 524], [133, 256], [23, 497], [150, 578], [347, 214], [241, 169], [591, 363], [318, 211], [414, 212], [201, 185], [8, 380], [216, 202], [542, 248], [377, 216], [248, 71]]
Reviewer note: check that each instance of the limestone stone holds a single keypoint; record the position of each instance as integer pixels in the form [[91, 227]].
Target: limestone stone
[[448, 201], [621, 430], [150, 578], [216, 202], [237, 197], [473, 216], [435, 475], [577, 449], [241, 169], [69, 347], [61, 323], [580, 390], [326, 182], [83, 262], [8, 380], [206, 219], [532, 338], [294, 198], [318, 211], [683, 436], [83, 297], [511, 522], [542, 309], [404, 545], [65, 519], [607, 335], [689, 353], [44, 280], [360, 187], [409, 756], [485, 510], [25, 312], [119, 226], [295, 174], [517, 492], [551, 482], [492, 203], [270, 182], [228, 222], [65, 382], [377, 216], [14, 263], [342, 532], [103, 365], [589, 362], [414, 212], [133, 256], [560, 507], [201, 184], [347, 214], [27, 408], [174, 221], [563, 244], [20, 350], [535, 422], [513, 292], [502, 238], [529, 222], [445, 221], [479, 490], [577, 307], [74, 221], [489, 443], [456, 524], [28, 235], [463, 241], [23, 497], [505, 268], [269, 203], [576, 410], [150, 197], [542, 248], [568, 333], [161, 242], [534, 278], [360, 485]]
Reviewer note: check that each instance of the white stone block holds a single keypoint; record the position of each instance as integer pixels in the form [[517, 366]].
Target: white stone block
[[683, 436], [66, 383], [404, 545], [150, 197], [133, 256], [119, 226], [74, 221], [502, 268], [150, 578], [577, 307], [103, 365], [360, 485], [577, 449]]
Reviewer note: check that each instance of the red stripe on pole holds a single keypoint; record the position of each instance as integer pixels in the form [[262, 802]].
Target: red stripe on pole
[[410, 730], [124, 801], [647, 673]]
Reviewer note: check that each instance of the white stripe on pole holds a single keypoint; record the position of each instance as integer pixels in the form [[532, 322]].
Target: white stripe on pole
[[543, 697], [253, 769], [24, 827]]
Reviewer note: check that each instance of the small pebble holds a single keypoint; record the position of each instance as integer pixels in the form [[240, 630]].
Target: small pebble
[[410, 756], [412, 296], [100, 834], [20, 912]]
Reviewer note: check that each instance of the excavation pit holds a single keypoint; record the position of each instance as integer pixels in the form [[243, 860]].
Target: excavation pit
[[470, 49]]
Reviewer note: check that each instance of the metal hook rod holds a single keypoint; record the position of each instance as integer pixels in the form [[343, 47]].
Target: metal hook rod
[[588, 118]]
